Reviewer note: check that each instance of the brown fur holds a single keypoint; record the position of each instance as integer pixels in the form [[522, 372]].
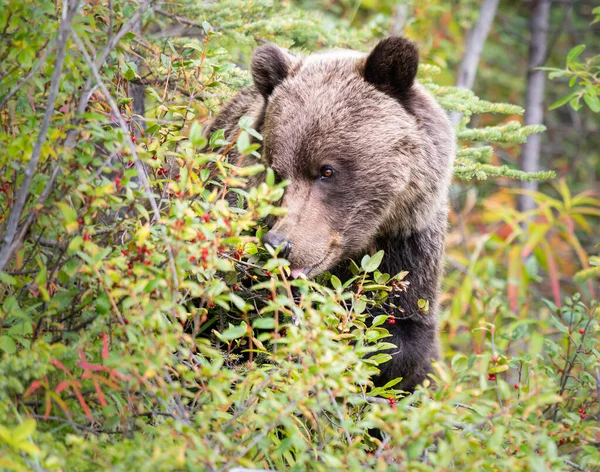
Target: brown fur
[[391, 148]]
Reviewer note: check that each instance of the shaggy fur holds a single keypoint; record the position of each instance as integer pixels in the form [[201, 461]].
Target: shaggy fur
[[391, 149]]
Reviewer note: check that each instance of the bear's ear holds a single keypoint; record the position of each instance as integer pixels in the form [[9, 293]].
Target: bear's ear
[[270, 65], [392, 65]]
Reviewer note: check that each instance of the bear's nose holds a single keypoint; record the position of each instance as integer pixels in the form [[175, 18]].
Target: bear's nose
[[276, 239]]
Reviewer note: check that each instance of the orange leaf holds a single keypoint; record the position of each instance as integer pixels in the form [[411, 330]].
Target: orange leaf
[[83, 404], [48, 406], [101, 398], [32, 388]]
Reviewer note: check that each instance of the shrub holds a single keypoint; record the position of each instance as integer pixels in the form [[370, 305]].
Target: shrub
[[142, 325]]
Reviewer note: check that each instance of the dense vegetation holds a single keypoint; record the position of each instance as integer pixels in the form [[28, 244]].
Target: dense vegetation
[[143, 325]]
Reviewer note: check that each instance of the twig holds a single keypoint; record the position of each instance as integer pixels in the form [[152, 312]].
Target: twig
[[179, 19], [340, 416], [71, 134], [574, 465], [138, 164], [31, 73], [15, 215]]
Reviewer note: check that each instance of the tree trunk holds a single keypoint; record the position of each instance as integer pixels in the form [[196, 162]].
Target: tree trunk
[[534, 101], [399, 18], [475, 42]]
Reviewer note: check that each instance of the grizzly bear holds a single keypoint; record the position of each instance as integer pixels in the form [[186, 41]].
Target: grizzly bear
[[369, 156]]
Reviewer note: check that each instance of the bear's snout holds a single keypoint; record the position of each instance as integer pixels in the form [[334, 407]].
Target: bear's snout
[[277, 239]]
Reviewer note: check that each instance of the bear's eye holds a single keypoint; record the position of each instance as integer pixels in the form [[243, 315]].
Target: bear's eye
[[326, 172]]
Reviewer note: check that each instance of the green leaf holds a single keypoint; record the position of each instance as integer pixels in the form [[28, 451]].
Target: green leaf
[[7, 279], [24, 430], [217, 139], [379, 320], [196, 137], [592, 101], [234, 332], [562, 101], [497, 369], [336, 283], [102, 304], [460, 362], [7, 345], [369, 264], [574, 53], [264, 323]]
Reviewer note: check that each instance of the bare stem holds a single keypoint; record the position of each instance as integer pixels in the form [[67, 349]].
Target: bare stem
[[15, 215], [138, 164]]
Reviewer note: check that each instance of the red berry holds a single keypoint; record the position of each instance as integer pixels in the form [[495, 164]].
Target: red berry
[[580, 410], [391, 400], [492, 377], [211, 305], [133, 138], [495, 360], [240, 251], [270, 296], [124, 252], [154, 157], [562, 441], [192, 259], [236, 288], [130, 164], [582, 331], [204, 254], [205, 218], [176, 177], [582, 416], [118, 183], [200, 236], [392, 320], [516, 386], [268, 273], [80, 221], [86, 237], [478, 351]]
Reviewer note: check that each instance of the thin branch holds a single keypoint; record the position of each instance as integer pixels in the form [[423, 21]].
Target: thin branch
[[15, 215], [179, 19], [7, 251], [138, 164], [31, 73]]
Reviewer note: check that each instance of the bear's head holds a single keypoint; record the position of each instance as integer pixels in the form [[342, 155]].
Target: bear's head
[[367, 151]]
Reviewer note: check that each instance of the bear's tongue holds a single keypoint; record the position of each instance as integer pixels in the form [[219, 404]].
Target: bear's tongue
[[296, 272]]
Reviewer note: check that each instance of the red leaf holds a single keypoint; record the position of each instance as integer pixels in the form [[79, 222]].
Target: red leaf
[[81, 355], [87, 366], [116, 373], [60, 365], [83, 404], [104, 346], [101, 398], [63, 385], [32, 388]]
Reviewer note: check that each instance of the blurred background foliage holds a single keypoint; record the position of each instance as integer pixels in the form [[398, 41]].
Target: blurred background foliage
[[143, 325]]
